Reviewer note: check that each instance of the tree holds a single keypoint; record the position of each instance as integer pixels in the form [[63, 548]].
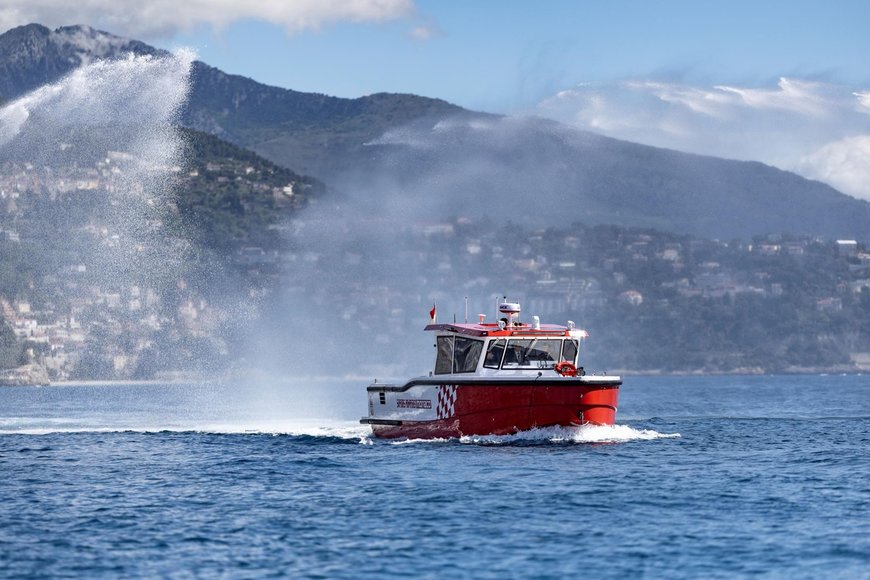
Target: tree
[[10, 348]]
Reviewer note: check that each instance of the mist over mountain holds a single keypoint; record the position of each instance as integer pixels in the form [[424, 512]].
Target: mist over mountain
[[540, 172], [416, 158]]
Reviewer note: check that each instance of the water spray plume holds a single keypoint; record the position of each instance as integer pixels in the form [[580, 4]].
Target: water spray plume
[[119, 113], [102, 140]]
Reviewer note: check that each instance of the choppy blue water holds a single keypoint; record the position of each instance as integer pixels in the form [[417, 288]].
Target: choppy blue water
[[703, 477]]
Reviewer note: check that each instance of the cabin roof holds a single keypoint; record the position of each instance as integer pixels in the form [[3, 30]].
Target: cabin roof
[[493, 329]]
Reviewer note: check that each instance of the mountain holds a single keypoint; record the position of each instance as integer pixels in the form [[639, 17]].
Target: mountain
[[312, 133], [33, 55], [424, 158]]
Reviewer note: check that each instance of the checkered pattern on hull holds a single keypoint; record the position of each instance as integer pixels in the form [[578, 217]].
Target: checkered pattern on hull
[[446, 401]]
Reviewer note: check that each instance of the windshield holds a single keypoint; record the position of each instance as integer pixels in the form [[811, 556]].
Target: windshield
[[542, 353]]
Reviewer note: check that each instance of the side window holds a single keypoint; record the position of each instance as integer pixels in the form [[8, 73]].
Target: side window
[[444, 360], [569, 351], [494, 353], [466, 353]]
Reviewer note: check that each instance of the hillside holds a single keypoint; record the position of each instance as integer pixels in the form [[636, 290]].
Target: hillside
[[231, 196], [313, 133]]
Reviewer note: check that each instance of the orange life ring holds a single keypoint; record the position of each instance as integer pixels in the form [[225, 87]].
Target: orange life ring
[[566, 369]]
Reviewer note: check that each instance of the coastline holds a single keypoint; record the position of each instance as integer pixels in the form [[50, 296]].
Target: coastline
[[746, 371], [846, 370], [24, 376]]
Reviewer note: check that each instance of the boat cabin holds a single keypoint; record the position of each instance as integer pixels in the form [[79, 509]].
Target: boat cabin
[[489, 348]]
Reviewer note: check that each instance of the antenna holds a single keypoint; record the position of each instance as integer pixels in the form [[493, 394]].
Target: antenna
[[466, 310]]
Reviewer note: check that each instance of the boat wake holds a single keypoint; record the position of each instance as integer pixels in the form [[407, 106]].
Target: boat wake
[[332, 429], [312, 428], [558, 435]]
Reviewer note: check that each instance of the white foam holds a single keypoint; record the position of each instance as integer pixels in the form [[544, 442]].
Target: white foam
[[415, 441], [326, 428], [581, 434]]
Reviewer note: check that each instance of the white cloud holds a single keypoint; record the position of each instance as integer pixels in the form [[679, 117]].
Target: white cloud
[[155, 18], [807, 98], [820, 130], [844, 164], [423, 33]]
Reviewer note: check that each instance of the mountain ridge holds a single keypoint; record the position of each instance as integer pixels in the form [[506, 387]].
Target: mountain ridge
[[304, 131], [434, 154], [33, 55]]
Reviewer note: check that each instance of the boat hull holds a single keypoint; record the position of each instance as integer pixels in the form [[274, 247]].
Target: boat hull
[[434, 408]]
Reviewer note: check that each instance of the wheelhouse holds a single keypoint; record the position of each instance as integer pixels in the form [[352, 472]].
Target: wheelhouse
[[470, 349]]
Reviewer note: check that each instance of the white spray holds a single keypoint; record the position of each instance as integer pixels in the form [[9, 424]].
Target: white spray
[[117, 114]]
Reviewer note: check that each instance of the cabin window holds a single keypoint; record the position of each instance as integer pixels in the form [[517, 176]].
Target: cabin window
[[466, 353], [457, 354], [444, 361], [569, 351], [494, 354], [532, 353]]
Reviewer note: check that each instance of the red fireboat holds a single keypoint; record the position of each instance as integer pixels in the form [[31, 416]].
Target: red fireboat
[[496, 379]]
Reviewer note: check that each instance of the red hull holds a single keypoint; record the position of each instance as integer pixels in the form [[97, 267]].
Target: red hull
[[501, 409]]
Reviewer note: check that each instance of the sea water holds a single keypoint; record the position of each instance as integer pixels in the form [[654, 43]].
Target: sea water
[[702, 477]]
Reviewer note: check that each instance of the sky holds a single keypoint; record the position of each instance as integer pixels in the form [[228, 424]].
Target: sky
[[782, 82]]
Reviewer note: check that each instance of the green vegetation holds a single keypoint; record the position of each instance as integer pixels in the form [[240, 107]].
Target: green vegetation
[[231, 196], [313, 133]]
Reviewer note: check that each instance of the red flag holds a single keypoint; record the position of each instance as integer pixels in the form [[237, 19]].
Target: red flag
[[432, 314]]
